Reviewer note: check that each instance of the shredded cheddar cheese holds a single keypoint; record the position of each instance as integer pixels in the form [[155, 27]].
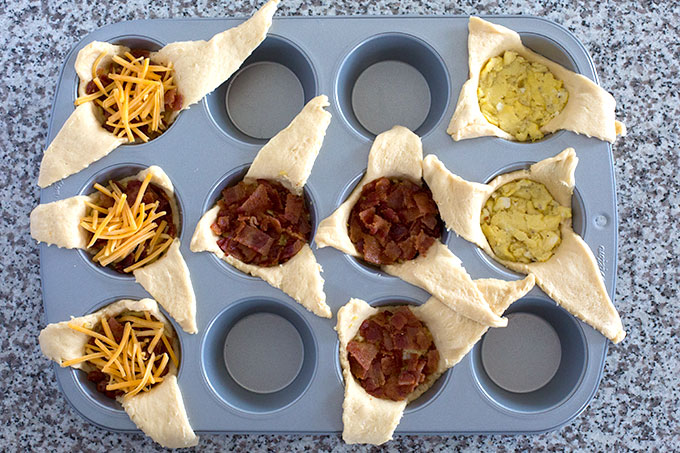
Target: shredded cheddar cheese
[[126, 230], [132, 95], [130, 365]]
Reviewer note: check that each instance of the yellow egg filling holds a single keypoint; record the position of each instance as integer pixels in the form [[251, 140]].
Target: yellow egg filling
[[519, 96], [521, 221]]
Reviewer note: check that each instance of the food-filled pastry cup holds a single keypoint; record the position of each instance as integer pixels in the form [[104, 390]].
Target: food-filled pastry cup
[[89, 389], [131, 41], [233, 177], [119, 172], [259, 355], [392, 78]]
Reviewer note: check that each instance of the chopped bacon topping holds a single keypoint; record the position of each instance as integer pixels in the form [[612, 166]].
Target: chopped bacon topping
[[392, 354], [394, 221], [261, 223]]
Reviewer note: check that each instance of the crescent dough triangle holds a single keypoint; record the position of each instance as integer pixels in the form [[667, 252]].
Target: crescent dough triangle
[[287, 158], [167, 279], [370, 420], [590, 109], [571, 276], [200, 67], [398, 153], [160, 412]]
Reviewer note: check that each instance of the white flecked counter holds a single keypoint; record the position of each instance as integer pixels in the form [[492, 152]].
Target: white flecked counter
[[636, 49]]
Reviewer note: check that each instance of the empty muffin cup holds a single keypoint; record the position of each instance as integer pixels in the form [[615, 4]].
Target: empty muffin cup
[[258, 355], [533, 364], [263, 97], [392, 79]]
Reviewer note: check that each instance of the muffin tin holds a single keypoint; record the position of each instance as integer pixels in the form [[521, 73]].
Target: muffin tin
[[377, 72]]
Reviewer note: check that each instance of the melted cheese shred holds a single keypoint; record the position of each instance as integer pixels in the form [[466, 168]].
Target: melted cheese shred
[[126, 230], [135, 96], [129, 364]]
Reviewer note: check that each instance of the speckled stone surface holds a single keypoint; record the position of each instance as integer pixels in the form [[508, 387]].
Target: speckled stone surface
[[636, 50]]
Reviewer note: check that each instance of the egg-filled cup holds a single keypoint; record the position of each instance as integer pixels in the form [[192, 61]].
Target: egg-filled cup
[[570, 276], [589, 109]]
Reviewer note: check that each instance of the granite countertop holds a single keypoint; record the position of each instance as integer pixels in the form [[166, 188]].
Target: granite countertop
[[636, 51]]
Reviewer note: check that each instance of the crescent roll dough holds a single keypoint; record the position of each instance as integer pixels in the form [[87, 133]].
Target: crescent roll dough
[[589, 110], [370, 420], [571, 276], [160, 412], [167, 279], [200, 67], [287, 158], [398, 153]]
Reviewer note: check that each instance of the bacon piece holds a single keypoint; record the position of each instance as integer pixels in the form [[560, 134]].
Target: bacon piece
[[390, 214], [169, 98], [388, 365], [372, 250], [432, 361], [294, 207], [409, 215], [357, 370], [366, 217], [408, 249], [407, 378], [117, 329], [425, 203], [430, 221], [371, 331], [270, 225], [375, 378], [364, 353], [234, 194], [257, 202], [255, 239], [140, 53], [399, 319], [424, 242], [291, 249], [395, 200], [392, 252]]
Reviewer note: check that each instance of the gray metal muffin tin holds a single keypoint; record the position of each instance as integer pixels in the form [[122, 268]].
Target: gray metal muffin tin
[[208, 147]]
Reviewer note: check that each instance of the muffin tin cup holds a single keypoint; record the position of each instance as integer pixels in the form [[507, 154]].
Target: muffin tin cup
[[579, 219], [233, 177], [212, 145], [360, 264], [115, 173], [392, 78], [258, 356], [434, 391], [262, 97], [535, 363], [135, 41], [88, 389]]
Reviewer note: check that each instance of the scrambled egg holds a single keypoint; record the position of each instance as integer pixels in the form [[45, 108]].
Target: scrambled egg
[[521, 221], [519, 96]]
